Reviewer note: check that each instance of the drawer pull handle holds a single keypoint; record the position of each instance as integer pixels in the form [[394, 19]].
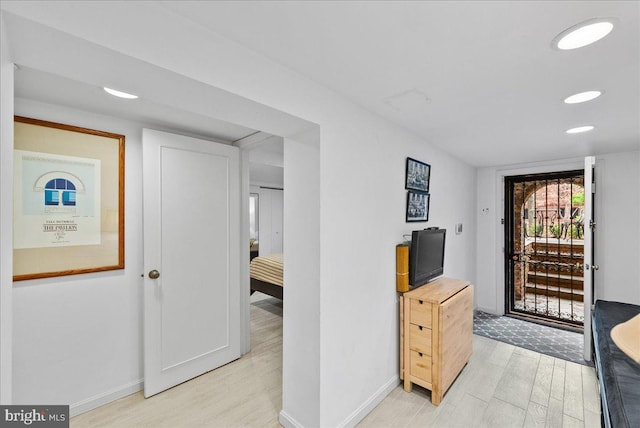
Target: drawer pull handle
[[420, 353], [420, 301], [420, 327]]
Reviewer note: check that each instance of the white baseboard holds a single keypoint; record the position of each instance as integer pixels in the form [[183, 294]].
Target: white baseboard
[[361, 412], [287, 421], [106, 397], [491, 311]]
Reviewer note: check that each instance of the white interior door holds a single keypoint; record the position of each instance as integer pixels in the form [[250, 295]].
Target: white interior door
[[271, 220], [277, 208], [191, 239], [264, 221], [589, 237]]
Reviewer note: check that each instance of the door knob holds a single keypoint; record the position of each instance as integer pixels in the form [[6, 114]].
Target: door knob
[[595, 267], [154, 274]]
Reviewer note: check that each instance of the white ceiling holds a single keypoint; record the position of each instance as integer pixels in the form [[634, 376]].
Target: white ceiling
[[493, 84], [266, 161], [270, 151], [266, 158], [478, 79], [46, 87]]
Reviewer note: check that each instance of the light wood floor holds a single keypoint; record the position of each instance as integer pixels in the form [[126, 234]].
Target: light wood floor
[[244, 393], [502, 386]]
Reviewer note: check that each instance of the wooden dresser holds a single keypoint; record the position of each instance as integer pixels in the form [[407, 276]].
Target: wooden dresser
[[436, 334]]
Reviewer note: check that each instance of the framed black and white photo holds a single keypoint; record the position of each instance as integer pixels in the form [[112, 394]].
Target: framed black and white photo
[[417, 175], [417, 206]]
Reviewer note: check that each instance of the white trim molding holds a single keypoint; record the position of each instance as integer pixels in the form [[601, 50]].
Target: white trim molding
[[287, 421], [361, 412], [106, 397]]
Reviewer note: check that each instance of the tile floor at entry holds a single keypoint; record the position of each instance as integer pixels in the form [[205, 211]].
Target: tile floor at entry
[[502, 386], [555, 342]]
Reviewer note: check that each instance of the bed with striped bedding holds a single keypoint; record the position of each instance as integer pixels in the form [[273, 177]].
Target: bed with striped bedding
[[266, 275]]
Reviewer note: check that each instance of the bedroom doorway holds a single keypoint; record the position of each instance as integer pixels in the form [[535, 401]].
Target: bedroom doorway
[[266, 214], [544, 248]]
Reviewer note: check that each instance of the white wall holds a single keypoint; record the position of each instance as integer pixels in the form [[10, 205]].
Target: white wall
[[301, 321], [617, 217], [77, 339], [6, 215], [361, 202], [487, 296], [267, 175], [266, 161]]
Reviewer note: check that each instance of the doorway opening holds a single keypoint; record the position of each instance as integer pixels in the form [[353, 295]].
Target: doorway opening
[[544, 248]]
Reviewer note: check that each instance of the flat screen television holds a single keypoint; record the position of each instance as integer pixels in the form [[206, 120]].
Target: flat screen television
[[426, 255]]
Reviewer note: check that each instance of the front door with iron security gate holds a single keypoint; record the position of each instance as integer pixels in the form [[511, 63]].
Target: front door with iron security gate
[[544, 248]]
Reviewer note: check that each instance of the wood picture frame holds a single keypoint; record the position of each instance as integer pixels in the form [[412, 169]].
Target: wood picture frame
[[417, 175], [417, 206], [68, 200]]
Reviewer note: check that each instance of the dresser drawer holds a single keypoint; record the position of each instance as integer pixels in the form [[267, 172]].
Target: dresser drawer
[[420, 312], [420, 339], [420, 366]]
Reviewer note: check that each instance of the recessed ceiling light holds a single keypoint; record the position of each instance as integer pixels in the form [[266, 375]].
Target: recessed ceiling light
[[582, 97], [580, 129], [120, 94], [583, 34]]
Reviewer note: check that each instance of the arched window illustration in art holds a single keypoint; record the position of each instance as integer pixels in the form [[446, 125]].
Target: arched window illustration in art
[[60, 191]]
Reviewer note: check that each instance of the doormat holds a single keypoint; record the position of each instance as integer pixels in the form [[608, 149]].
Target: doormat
[[554, 342]]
